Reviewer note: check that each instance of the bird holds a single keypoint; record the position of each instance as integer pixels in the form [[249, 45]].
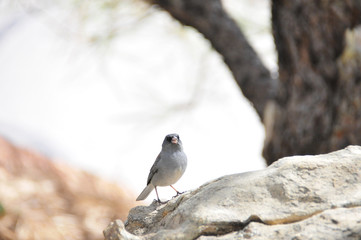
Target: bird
[[168, 167]]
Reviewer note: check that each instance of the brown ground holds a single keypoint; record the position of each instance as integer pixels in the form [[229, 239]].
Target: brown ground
[[41, 199]]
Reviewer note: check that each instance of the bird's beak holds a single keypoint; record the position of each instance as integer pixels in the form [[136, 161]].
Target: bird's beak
[[174, 140]]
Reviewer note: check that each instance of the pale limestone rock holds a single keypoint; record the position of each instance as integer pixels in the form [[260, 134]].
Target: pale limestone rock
[[339, 223], [116, 230], [302, 190]]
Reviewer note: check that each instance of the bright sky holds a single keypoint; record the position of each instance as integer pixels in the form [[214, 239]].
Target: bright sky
[[107, 109]]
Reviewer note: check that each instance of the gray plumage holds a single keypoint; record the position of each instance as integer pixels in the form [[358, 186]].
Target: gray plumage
[[168, 168]]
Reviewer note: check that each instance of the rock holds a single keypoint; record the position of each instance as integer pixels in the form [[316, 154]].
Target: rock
[[300, 197], [339, 223], [116, 230]]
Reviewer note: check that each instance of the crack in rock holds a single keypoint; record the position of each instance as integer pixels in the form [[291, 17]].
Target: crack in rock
[[237, 227]]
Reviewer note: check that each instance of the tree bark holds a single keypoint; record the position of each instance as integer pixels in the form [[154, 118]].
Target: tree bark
[[210, 19], [315, 106], [318, 107]]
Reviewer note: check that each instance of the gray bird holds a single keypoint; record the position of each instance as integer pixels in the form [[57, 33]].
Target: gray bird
[[167, 168]]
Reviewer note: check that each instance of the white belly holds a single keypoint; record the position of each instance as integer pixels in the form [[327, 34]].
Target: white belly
[[169, 171]]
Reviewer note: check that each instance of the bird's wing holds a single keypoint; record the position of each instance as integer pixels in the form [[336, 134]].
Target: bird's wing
[[154, 169]]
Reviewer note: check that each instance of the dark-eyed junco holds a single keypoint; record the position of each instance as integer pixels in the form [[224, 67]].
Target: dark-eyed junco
[[167, 168]]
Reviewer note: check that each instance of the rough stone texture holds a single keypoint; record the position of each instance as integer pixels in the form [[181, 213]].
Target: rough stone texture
[[116, 230], [309, 197], [339, 223]]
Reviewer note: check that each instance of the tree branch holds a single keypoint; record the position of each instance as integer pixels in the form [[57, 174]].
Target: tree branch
[[210, 19]]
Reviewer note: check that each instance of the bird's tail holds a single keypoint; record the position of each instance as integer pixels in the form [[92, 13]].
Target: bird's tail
[[145, 193]]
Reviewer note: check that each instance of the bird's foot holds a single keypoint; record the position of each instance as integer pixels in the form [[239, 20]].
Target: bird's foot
[[178, 193], [160, 202]]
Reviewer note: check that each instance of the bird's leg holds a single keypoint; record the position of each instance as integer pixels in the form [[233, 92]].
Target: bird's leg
[[157, 195], [178, 193], [159, 201]]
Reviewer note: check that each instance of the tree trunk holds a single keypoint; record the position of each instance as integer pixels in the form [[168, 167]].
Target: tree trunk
[[318, 106], [315, 106]]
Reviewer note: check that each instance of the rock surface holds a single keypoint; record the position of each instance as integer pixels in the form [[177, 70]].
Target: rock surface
[[300, 197]]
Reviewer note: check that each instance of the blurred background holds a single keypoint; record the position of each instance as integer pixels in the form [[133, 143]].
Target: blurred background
[[96, 85]]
